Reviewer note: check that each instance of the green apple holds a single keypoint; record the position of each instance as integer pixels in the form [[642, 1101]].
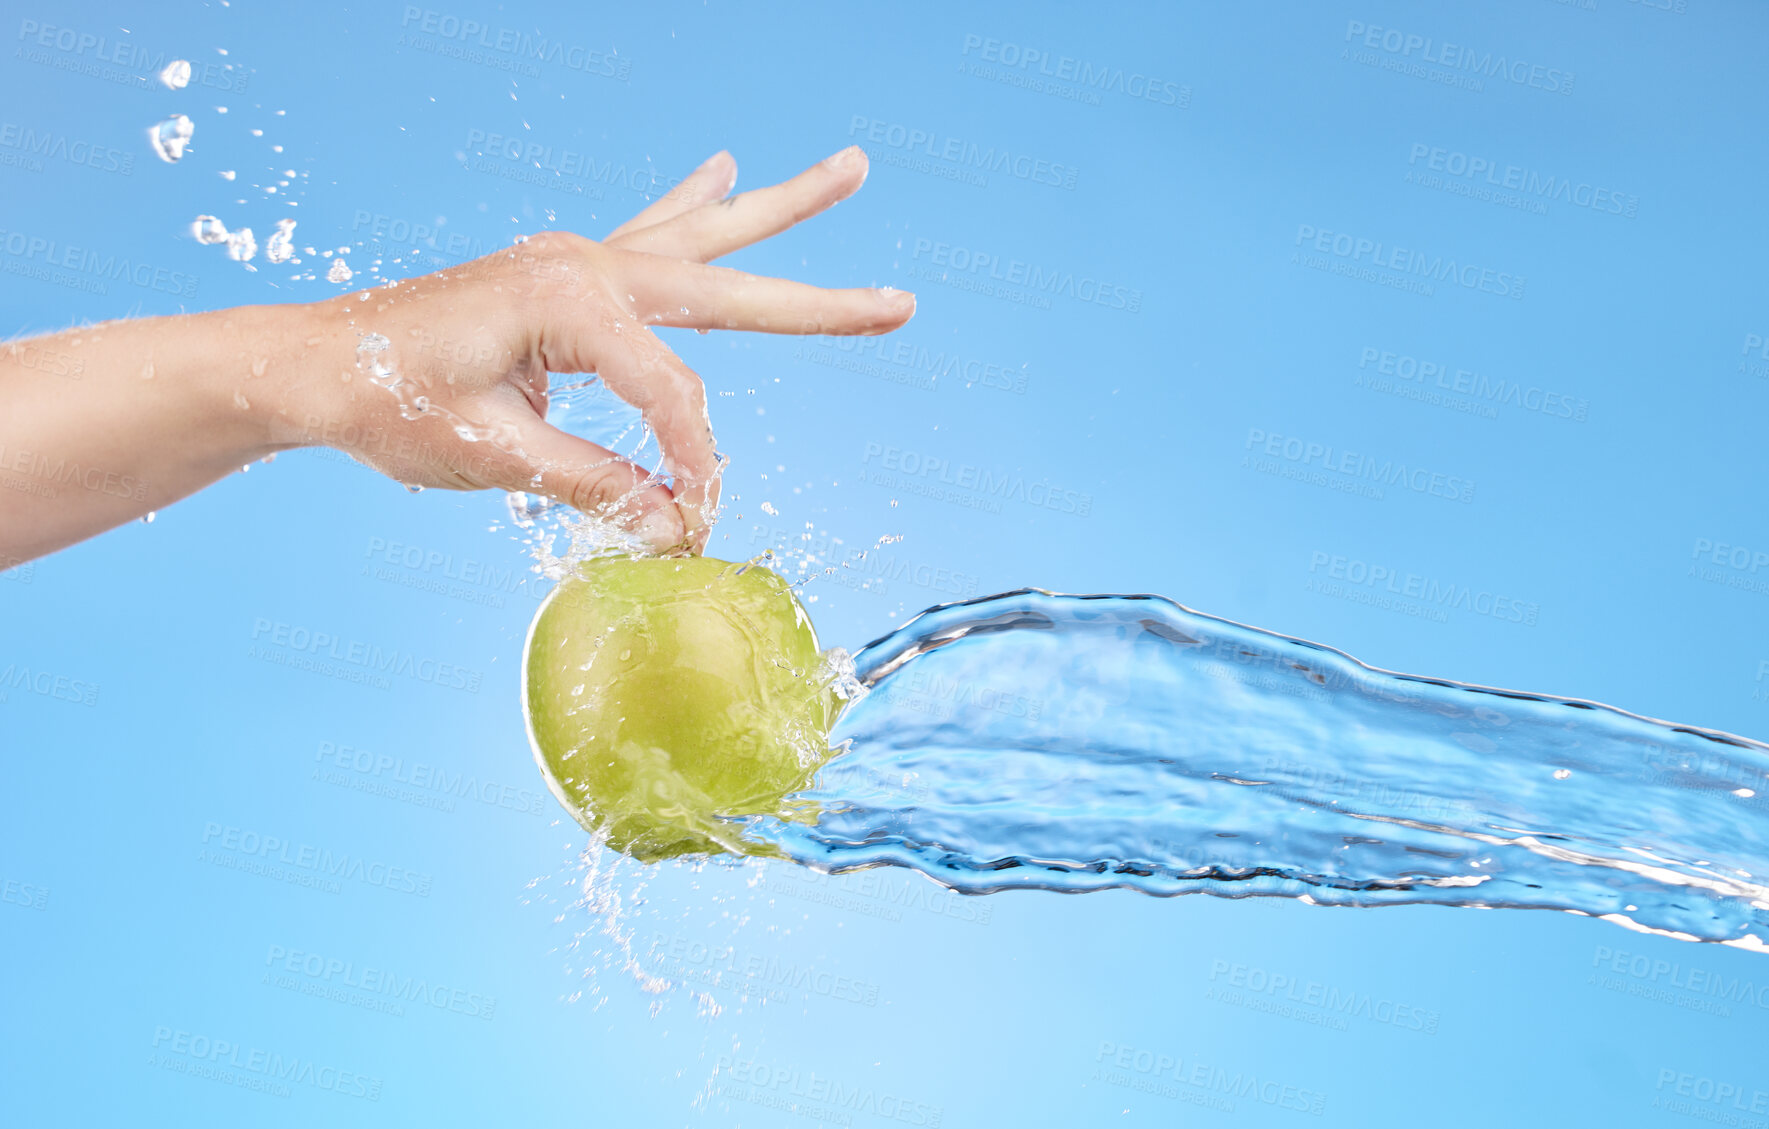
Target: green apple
[[663, 693]]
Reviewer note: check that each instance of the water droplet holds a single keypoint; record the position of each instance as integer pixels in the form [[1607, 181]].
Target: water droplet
[[171, 137], [147, 371], [414, 488], [893, 503], [176, 76], [147, 518], [340, 272], [208, 229], [1562, 773], [241, 245], [282, 244], [226, 174]]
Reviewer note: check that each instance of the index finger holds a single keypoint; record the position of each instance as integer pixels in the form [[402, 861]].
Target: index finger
[[672, 400]]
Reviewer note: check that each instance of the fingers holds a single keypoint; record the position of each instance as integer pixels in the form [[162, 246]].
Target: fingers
[[711, 181], [692, 295], [596, 481], [641, 370], [706, 232]]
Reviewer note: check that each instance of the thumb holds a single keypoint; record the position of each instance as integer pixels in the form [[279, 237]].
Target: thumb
[[594, 480]]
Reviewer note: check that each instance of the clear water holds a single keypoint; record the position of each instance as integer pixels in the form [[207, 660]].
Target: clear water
[[1085, 742], [161, 722]]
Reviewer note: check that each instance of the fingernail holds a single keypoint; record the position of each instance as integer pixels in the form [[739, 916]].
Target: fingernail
[[661, 529], [896, 299], [846, 158], [716, 156]]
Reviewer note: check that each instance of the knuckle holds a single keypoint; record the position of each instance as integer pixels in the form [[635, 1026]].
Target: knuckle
[[601, 486], [554, 240]]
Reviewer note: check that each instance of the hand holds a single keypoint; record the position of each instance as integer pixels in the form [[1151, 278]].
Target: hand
[[457, 395]]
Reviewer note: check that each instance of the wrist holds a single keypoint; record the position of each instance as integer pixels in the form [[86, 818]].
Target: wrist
[[281, 369]]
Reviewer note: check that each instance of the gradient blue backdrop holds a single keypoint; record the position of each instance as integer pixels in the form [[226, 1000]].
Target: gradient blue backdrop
[[135, 938]]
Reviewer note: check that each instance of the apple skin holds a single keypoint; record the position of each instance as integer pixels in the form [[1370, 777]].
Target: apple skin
[[663, 693]]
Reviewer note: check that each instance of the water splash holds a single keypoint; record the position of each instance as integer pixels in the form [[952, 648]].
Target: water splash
[[280, 247], [339, 271], [241, 245], [208, 229], [1074, 743], [172, 137], [176, 76]]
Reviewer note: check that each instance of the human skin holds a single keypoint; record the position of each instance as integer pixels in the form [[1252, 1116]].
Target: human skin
[[167, 405]]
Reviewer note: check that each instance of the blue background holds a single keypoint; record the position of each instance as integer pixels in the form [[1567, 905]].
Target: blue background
[[132, 939]]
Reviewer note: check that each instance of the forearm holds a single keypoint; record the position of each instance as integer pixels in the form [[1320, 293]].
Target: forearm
[[103, 424]]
